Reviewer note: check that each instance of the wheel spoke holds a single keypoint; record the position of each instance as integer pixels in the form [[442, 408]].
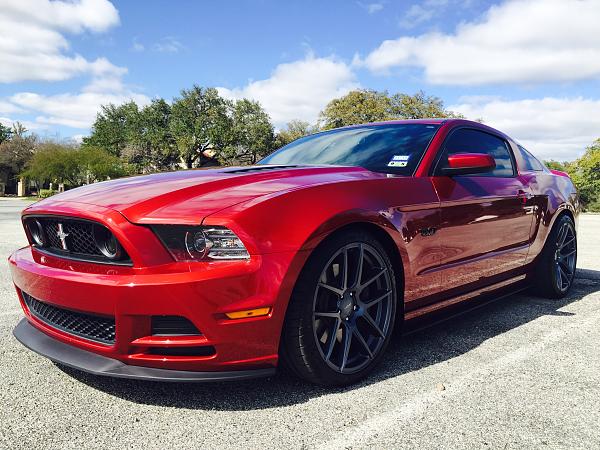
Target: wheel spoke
[[372, 323], [332, 339], [377, 300], [347, 340], [359, 268], [345, 271], [326, 314], [572, 252], [564, 235], [569, 242], [373, 278], [361, 339], [559, 276], [331, 288], [565, 274], [559, 237], [565, 266]]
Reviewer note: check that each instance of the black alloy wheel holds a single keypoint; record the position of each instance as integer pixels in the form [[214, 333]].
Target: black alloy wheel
[[342, 312], [352, 308], [565, 257], [555, 269]]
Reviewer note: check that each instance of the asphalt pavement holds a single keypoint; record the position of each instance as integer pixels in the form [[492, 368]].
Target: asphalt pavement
[[521, 372]]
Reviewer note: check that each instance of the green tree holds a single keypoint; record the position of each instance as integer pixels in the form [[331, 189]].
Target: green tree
[[16, 152], [295, 129], [556, 165], [114, 127], [253, 134], [419, 106], [586, 176], [5, 133], [55, 163], [585, 173], [360, 106], [150, 143], [200, 122], [18, 129], [363, 106], [96, 164]]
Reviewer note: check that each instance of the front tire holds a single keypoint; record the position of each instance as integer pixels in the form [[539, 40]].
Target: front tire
[[555, 269], [341, 313]]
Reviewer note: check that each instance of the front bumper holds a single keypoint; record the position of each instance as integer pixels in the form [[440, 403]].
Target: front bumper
[[96, 364], [132, 296]]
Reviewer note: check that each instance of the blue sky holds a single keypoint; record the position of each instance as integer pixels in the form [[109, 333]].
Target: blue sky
[[529, 67]]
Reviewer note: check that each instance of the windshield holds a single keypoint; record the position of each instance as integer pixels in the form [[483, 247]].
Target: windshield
[[393, 148]]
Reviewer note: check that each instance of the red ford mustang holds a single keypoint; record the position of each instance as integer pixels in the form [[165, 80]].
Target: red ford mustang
[[309, 258]]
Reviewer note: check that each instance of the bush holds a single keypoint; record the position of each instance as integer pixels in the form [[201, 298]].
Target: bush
[[45, 193]]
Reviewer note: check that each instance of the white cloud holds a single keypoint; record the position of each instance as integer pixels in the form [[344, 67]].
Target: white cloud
[[33, 46], [137, 46], [422, 12], [8, 108], [8, 122], [168, 44], [75, 110], [298, 90], [551, 128], [371, 8], [519, 41]]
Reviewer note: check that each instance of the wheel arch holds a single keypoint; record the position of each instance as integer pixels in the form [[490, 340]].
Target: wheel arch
[[388, 243], [378, 227], [563, 210]]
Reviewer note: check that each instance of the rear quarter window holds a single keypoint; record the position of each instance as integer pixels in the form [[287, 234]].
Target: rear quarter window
[[529, 162]]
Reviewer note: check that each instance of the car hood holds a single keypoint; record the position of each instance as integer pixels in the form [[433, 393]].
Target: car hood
[[187, 196]]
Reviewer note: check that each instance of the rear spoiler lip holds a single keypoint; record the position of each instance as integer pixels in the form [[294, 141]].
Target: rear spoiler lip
[[560, 173]]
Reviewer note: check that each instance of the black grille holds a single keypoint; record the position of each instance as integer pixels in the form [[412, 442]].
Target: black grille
[[79, 239], [173, 326], [88, 326]]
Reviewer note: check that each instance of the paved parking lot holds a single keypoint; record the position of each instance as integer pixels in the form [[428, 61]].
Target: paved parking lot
[[521, 372]]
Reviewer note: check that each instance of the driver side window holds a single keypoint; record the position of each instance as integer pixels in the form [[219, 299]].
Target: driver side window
[[467, 140]]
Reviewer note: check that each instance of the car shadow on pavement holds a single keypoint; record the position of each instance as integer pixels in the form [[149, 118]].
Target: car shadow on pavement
[[417, 349]]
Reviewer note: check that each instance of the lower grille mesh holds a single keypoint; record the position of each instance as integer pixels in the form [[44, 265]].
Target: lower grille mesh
[[88, 326]]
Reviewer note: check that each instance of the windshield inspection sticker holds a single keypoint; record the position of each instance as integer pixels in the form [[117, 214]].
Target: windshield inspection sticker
[[399, 161]]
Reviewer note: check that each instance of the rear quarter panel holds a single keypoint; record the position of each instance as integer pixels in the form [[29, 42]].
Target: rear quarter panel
[[552, 194]]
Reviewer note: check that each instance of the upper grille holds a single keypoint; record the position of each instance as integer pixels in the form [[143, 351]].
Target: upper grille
[[88, 326], [78, 239]]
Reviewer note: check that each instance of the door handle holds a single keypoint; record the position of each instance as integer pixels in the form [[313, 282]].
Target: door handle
[[523, 196]]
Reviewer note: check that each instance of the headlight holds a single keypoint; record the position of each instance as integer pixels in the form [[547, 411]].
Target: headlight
[[193, 243]]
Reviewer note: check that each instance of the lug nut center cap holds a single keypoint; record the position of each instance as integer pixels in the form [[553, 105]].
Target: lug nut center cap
[[346, 305]]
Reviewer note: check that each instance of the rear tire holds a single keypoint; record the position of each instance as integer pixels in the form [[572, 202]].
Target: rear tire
[[341, 313], [555, 269]]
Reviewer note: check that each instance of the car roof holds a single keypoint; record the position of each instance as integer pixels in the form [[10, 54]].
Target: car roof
[[432, 121]]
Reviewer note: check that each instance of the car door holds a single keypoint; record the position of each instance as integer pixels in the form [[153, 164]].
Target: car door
[[485, 218]]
